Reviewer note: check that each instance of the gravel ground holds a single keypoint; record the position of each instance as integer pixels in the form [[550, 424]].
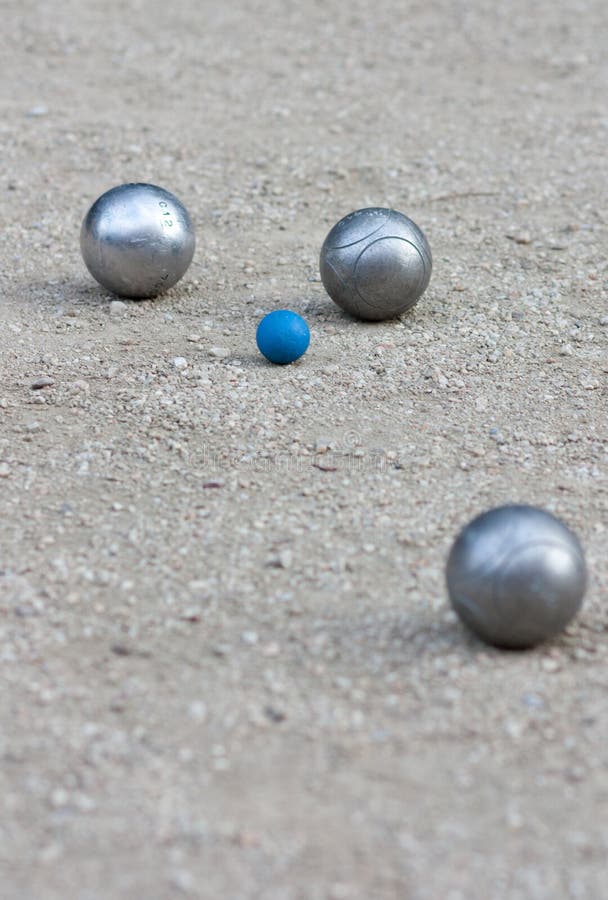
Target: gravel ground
[[229, 666]]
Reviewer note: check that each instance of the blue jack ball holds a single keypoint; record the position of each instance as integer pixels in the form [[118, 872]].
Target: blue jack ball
[[282, 336]]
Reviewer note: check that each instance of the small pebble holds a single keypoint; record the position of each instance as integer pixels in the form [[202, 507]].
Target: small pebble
[[532, 700], [50, 853], [281, 560], [40, 383], [183, 881], [197, 711], [550, 665]]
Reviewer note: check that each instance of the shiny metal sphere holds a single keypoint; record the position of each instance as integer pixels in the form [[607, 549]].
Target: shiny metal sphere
[[516, 576], [375, 263], [137, 240]]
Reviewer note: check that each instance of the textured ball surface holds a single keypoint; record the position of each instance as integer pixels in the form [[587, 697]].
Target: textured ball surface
[[137, 240], [516, 576], [282, 336], [375, 263]]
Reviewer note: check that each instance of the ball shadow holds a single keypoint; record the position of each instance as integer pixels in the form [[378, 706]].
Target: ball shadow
[[80, 293]]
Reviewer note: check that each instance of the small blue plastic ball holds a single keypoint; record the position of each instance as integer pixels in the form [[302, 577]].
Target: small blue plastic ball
[[282, 336]]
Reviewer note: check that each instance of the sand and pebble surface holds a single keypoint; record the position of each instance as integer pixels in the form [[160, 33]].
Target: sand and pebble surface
[[228, 666]]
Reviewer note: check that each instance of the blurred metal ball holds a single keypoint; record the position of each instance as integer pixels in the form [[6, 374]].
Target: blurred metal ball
[[375, 263], [516, 576], [137, 240]]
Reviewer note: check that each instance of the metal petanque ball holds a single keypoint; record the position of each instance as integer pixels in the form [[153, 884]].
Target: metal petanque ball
[[516, 576], [137, 240], [375, 263]]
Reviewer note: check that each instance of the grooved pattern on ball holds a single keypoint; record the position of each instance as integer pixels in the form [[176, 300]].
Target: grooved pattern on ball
[[356, 227], [398, 285]]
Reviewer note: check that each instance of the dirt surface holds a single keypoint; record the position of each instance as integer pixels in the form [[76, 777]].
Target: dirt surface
[[229, 668]]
